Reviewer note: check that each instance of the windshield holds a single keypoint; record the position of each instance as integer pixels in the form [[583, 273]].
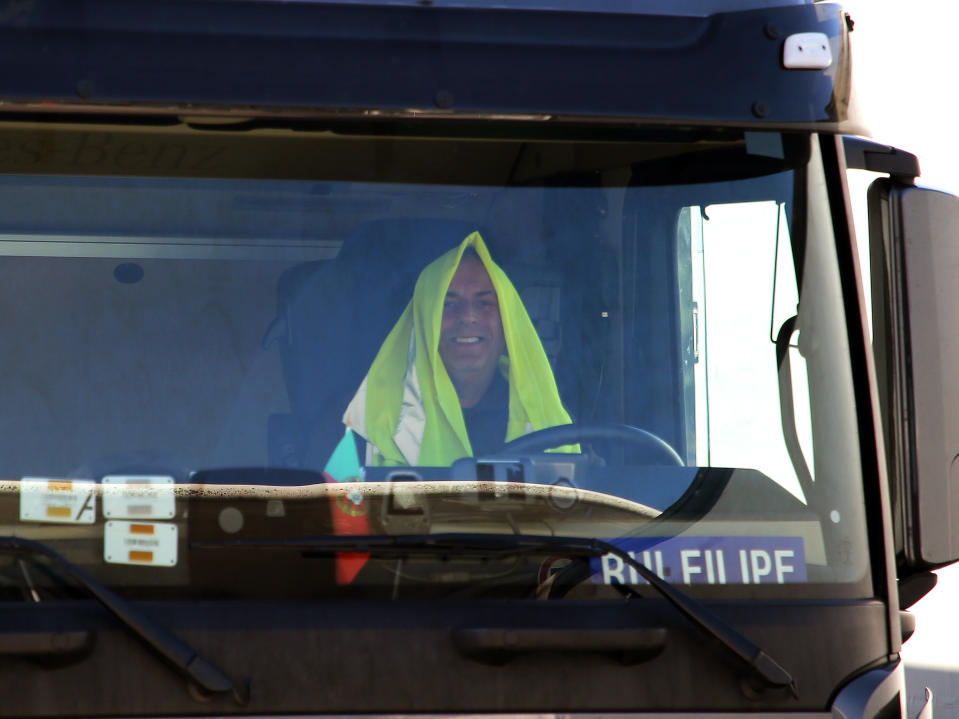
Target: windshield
[[218, 341]]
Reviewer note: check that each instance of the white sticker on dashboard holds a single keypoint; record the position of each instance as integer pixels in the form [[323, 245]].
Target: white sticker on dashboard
[[149, 544], [138, 497], [66, 501]]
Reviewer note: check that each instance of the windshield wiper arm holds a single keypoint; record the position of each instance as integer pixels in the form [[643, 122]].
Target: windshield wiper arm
[[760, 664], [181, 655]]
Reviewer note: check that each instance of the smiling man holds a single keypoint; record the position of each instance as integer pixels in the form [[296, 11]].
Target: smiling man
[[471, 334], [461, 373], [471, 344]]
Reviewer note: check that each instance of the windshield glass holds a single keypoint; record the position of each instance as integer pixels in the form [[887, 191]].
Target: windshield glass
[[218, 340]]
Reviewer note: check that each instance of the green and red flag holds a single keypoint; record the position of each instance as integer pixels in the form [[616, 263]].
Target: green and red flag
[[349, 509]]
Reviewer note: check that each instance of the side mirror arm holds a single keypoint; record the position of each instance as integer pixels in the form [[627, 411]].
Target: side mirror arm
[[864, 154]]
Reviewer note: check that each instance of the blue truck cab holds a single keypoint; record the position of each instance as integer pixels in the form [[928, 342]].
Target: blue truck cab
[[239, 474]]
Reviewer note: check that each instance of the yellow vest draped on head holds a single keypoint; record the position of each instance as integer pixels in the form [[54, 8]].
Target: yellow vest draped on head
[[407, 407]]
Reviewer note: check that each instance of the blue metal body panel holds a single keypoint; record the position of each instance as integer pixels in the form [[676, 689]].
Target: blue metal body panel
[[390, 60]]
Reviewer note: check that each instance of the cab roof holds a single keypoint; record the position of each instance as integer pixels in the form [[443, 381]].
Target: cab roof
[[690, 8], [707, 62]]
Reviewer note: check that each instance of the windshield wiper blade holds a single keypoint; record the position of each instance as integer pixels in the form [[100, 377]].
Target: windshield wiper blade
[[179, 654], [763, 667], [403, 545]]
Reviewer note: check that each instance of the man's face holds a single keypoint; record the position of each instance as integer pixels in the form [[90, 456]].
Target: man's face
[[471, 335]]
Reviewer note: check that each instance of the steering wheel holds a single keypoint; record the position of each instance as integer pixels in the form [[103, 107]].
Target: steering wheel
[[656, 450]]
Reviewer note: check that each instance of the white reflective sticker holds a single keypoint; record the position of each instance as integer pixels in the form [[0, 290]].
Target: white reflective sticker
[[67, 501], [150, 544], [138, 497]]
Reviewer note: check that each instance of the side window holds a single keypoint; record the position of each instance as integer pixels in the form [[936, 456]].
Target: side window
[[743, 288]]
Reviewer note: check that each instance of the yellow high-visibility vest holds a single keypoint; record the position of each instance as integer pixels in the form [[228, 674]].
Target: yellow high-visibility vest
[[407, 407]]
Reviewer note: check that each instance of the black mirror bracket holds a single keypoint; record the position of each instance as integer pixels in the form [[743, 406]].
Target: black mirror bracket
[[864, 154]]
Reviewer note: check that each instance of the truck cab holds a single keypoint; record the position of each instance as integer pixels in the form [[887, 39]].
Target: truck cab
[[714, 491]]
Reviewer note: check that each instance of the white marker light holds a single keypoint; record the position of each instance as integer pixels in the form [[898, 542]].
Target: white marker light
[[807, 51]]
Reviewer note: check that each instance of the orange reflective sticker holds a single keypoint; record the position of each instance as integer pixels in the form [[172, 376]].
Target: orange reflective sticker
[[138, 555], [141, 529], [60, 485], [59, 512]]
